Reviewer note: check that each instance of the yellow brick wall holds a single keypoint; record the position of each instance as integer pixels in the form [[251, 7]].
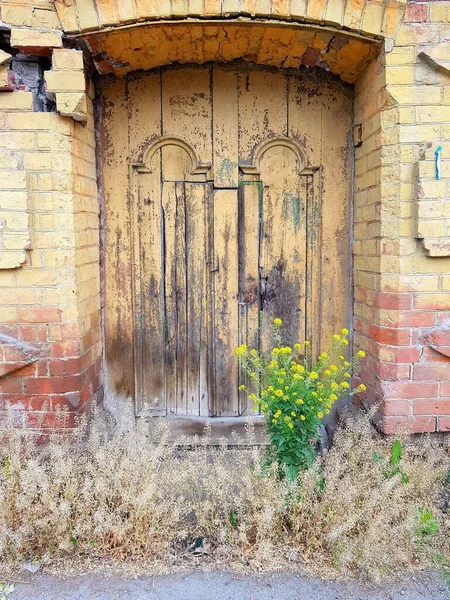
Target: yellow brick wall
[[52, 301]]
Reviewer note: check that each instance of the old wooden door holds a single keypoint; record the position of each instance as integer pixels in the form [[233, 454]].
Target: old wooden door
[[227, 200]]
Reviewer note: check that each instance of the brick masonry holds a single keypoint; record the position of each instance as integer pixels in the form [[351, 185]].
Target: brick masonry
[[398, 56]]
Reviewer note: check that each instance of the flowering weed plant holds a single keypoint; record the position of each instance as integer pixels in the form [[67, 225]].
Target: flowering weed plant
[[293, 393]]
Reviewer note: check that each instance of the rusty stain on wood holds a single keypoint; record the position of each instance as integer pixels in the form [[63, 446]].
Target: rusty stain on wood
[[199, 259]]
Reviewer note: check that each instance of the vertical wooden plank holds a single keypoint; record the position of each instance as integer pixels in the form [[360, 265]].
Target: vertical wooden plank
[[181, 295], [225, 128], [175, 167], [335, 252], [205, 382], [313, 280], [118, 314], [197, 295], [187, 108], [144, 109], [169, 205], [249, 281], [305, 127], [149, 305], [262, 109], [226, 306], [305, 116], [283, 245]]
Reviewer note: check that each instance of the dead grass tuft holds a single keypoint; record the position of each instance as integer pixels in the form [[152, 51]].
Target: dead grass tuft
[[131, 497]]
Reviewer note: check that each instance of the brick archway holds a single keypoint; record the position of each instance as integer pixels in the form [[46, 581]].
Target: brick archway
[[376, 18]]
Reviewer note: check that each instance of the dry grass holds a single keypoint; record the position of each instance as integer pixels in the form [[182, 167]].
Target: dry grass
[[131, 498]]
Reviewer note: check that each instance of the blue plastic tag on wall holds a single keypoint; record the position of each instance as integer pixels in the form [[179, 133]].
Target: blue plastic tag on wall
[[437, 155]]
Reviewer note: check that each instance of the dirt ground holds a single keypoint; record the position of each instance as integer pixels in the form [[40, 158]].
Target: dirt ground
[[223, 586]]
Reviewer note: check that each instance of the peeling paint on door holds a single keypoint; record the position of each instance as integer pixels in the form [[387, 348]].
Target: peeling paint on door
[[226, 204]]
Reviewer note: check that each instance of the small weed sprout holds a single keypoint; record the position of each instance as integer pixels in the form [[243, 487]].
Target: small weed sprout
[[294, 392], [427, 525], [392, 467]]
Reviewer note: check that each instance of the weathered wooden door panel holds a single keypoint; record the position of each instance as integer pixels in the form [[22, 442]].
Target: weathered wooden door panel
[[232, 186], [283, 244], [263, 110], [225, 307], [172, 293], [148, 286], [250, 198], [225, 128]]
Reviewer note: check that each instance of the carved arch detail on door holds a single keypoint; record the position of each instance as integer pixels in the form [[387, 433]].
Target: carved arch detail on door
[[144, 166], [254, 168]]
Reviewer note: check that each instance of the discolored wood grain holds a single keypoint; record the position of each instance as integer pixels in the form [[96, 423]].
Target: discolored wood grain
[[283, 245], [225, 302]]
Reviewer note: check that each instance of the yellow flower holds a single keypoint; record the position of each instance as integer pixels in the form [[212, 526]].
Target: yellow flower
[[272, 364], [336, 337], [333, 397], [327, 372], [285, 398], [274, 420], [361, 354], [254, 352], [301, 369], [290, 425], [297, 346], [241, 350], [287, 418], [277, 322], [344, 331], [313, 375], [307, 343], [286, 350], [320, 415], [276, 351], [302, 417], [277, 414], [345, 342], [347, 374], [286, 387], [345, 385], [270, 388], [333, 367], [242, 388], [296, 376], [327, 411], [334, 386], [341, 357], [346, 363], [278, 393], [324, 355], [299, 401], [293, 414], [252, 375], [362, 387], [264, 407], [314, 394], [252, 396]]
